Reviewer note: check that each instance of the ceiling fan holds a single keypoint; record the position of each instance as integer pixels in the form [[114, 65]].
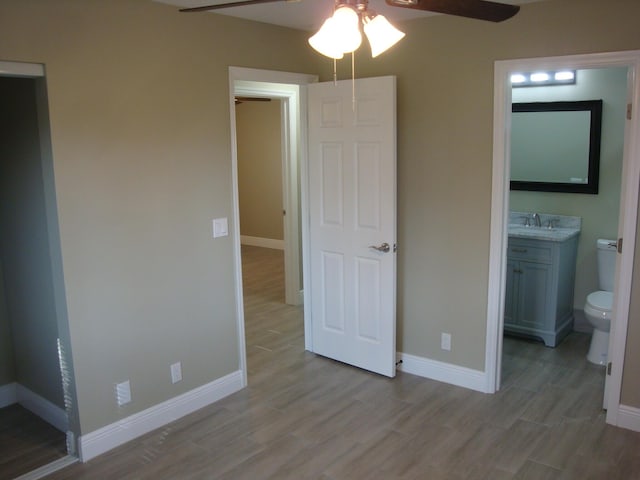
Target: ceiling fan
[[239, 100], [478, 9]]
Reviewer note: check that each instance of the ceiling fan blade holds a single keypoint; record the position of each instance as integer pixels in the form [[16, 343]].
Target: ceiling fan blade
[[251, 99], [479, 9], [241, 3]]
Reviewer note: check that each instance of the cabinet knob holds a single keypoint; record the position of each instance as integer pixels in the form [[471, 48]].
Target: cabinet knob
[[519, 250]]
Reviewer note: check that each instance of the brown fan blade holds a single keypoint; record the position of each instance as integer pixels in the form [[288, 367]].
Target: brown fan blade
[[251, 99], [479, 9], [206, 8]]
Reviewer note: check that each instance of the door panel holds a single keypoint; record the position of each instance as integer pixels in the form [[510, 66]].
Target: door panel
[[535, 292], [352, 206]]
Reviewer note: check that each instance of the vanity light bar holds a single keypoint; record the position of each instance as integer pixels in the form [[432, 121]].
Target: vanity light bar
[[544, 78]]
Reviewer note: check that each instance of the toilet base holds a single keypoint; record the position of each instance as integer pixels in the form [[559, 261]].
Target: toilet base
[[599, 347]]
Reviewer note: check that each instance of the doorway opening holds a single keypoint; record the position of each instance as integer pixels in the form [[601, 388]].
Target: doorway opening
[[628, 201], [36, 388], [285, 88]]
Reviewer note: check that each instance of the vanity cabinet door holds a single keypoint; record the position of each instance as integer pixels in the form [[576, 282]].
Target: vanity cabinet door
[[535, 295], [539, 288], [511, 293]]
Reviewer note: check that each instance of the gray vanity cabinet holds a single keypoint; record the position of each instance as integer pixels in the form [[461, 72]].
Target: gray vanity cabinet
[[539, 288]]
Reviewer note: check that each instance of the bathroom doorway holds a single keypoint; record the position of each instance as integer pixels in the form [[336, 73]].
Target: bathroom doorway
[[523, 361], [35, 369], [628, 196]]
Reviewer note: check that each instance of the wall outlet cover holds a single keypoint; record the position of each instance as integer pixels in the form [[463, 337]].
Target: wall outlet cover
[[445, 341], [176, 372], [123, 393]]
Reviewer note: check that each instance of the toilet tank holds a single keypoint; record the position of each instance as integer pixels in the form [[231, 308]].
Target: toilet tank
[[606, 264]]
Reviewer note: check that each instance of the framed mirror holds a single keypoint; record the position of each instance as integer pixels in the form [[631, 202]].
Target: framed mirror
[[555, 146]]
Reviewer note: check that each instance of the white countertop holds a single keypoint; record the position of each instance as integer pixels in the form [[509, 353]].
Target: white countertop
[[556, 234]]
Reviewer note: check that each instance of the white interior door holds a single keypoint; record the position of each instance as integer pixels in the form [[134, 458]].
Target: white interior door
[[352, 208]]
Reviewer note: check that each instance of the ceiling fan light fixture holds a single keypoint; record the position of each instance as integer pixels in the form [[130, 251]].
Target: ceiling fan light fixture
[[325, 41], [339, 34], [382, 35], [347, 28]]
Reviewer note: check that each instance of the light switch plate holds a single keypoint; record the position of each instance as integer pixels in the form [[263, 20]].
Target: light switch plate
[[220, 227]]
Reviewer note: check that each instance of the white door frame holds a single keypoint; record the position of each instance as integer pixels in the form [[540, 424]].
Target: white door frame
[[500, 210], [287, 87]]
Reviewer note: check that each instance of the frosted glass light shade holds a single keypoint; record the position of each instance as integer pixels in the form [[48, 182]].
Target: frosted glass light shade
[[381, 34], [326, 42], [347, 29]]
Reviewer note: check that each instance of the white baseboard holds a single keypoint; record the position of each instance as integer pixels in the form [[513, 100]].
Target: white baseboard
[[629, 417], [49, 412], [443, 372], [106, 438], [262, 242], [8, 395], [48, 469]]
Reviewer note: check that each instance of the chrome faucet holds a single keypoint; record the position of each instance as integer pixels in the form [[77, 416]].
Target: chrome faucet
[[536, 220]]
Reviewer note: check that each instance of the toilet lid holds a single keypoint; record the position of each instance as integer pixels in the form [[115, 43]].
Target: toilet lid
[[601, 300]]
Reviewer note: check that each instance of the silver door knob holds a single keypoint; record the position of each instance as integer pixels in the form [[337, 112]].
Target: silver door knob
[[384, 248]]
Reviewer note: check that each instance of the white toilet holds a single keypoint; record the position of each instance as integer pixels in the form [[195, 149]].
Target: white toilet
[[597, 309]]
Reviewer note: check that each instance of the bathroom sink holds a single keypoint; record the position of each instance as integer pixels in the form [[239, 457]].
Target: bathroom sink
[[523, 225], [555, 234]]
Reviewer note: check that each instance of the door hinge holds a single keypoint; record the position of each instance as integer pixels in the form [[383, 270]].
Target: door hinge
[[629, 111], [619, 245], [609, 368]]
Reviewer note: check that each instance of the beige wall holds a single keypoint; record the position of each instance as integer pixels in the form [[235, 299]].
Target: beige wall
[[445, 126], [599, 212], [258, 130], [139, 107]]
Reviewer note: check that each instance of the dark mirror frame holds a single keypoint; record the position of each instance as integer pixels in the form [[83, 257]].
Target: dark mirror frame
[[593, 106]]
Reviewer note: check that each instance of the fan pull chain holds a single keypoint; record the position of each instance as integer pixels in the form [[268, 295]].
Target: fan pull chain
[[335, 73]]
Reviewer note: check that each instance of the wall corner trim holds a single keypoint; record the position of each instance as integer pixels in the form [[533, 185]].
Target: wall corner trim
[[629, 417], [111, 436], [443, 372]]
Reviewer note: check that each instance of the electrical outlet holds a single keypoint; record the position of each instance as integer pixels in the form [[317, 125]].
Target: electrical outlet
[[445, 341], [176, 372], [123, 393]]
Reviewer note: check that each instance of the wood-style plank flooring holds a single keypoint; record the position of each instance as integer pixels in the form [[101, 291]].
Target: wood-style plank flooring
[[27, 442], [307, 417]]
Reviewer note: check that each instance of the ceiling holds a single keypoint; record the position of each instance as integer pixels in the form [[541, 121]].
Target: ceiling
[[303, 14]]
